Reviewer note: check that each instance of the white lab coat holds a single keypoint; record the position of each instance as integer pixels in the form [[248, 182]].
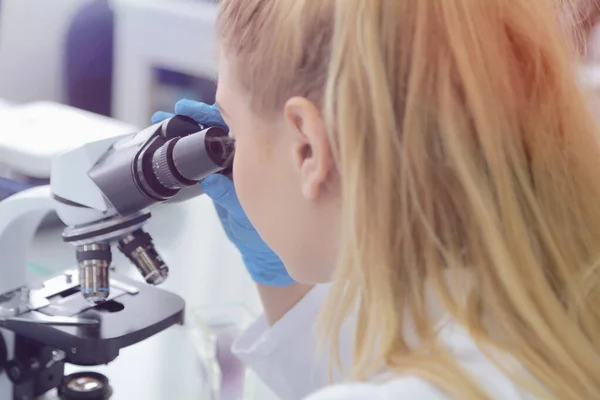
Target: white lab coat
[[285, 357]]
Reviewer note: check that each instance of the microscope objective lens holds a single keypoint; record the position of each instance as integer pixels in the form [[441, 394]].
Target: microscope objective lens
[[94, 262], [138, 247]]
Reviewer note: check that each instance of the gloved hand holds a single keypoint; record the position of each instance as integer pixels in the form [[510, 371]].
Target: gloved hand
[[202, 113], [264, 266]]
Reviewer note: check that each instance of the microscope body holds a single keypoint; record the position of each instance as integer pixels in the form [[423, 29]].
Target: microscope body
[[84, 315], [108, 203]]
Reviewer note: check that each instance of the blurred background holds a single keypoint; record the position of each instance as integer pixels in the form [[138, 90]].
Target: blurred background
[[77, 51], [123, 59]]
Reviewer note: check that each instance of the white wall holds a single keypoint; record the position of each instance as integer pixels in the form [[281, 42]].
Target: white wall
[[32, 33]]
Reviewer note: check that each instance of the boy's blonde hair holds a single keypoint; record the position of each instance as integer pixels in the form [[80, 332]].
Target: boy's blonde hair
[[464, 144]]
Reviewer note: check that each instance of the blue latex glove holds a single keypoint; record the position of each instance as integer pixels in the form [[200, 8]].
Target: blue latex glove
[[264, 266], [202, 113]]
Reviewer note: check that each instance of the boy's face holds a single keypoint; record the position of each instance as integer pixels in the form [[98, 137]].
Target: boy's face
[[274, 183]]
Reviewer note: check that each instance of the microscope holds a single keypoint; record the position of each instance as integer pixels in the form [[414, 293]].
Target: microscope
[[102, 192]]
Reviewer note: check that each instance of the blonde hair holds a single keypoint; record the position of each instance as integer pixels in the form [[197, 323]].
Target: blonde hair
[[464, 143]]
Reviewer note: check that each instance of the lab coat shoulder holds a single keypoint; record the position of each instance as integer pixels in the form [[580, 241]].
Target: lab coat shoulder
[[397, 389], [285, 356]]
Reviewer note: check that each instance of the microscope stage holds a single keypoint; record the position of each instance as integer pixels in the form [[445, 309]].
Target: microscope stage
[[133, 312]]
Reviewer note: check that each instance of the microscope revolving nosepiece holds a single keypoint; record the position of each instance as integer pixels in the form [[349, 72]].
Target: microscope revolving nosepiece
[[94, 265], [138, 247]]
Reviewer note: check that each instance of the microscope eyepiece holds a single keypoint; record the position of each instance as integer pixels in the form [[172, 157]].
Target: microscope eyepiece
[[185, 161], [94, 263], [154, 164], [183, 155]]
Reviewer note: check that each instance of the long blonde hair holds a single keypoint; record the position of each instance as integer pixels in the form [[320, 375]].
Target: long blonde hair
[[463, 142]]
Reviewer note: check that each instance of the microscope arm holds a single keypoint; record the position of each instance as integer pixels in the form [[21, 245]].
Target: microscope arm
[[20, 217]]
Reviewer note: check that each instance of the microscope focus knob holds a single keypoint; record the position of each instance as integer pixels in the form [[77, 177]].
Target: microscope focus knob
[[19, 371]]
